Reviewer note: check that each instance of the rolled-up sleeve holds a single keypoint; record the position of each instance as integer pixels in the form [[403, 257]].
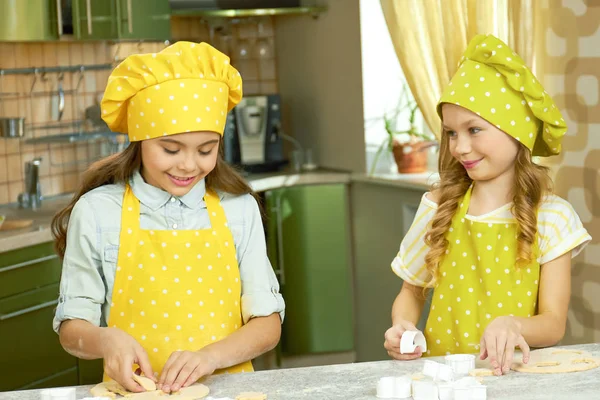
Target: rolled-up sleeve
[[409, 263], [82, 290], [260, 288]]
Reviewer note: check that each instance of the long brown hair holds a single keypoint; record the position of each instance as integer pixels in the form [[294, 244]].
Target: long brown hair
[[120, 167], [532, 183]]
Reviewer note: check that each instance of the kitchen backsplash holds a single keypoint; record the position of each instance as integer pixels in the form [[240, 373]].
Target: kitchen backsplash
[[250, 44]]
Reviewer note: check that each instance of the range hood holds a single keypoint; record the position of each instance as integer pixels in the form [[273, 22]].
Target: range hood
[[231, 4]]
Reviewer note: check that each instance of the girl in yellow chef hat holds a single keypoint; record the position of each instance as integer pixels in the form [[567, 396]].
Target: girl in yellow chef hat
[[491, 239], [164, 257]]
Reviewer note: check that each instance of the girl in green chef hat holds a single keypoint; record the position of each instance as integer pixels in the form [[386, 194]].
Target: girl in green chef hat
[[491, 239]]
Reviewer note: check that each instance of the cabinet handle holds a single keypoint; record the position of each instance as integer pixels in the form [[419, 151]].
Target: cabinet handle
[[279, 223], [129, 16], [29, 262], [88, 11], [59, 17], [28, 310]]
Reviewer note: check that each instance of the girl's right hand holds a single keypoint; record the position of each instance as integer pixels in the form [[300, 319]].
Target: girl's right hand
[[392, 341], [120, 351]]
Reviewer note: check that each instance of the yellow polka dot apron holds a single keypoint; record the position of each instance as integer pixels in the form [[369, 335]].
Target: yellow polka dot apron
[[478, 282], [176, 290]]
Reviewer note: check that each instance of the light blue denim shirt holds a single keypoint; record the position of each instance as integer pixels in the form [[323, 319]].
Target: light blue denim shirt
[[89, 264]]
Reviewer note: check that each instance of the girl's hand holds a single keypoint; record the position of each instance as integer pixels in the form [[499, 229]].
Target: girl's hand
[[498, 344], [120, 351], [392, 341], [184, 368]]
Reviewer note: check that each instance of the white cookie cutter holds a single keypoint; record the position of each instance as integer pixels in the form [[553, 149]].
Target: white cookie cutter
[[445, 391], [58, 394], [411, 340], [424, 390], [438, 371], [461, 364], [469, 388], [394, 387]]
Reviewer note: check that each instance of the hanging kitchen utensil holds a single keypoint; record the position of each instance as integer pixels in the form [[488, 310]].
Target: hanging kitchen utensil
[[61, 97], [10, 127]]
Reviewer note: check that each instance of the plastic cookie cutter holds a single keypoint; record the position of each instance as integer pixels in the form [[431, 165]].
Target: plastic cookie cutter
[[461, 364], [394, 387], [424, 390], [58, 394], [411, 340], [445, 391], [469, 389], [438, 371]]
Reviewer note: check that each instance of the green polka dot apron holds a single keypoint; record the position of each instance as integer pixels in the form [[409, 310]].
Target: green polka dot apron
[[176, 290], [478, 282]]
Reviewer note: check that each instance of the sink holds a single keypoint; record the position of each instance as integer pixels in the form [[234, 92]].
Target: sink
[[50, 207]]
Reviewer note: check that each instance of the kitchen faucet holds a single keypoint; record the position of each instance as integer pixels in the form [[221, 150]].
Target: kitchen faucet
[[32, 196]]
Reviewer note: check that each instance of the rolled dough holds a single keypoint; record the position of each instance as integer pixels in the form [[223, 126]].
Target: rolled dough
[[112, 388], [556, 361], [251, 396]]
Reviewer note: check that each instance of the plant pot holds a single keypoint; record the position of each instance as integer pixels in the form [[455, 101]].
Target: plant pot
[[411, 157]]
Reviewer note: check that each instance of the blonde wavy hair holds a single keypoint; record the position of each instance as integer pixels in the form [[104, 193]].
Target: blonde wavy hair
[[532, 183]]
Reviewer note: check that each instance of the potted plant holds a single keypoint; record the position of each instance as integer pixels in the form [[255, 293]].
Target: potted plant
[[408, 146]]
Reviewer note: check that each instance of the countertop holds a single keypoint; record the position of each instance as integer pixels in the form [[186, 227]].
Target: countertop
[[39, 231], [358, 381]]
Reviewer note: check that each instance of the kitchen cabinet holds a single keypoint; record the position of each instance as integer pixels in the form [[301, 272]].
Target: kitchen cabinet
[[32, 356], [381, 216], [28, 20], [308, 244], [121, 19]]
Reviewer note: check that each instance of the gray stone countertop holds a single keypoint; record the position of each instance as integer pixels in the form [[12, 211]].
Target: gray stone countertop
[[358, 381], [39, 231]]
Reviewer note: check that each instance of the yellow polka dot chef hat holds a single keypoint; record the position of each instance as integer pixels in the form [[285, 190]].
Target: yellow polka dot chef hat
[[185, 87], [494, 82]]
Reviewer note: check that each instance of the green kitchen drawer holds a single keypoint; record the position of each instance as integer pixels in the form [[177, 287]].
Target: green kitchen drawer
[[28, 268], [31, 351]]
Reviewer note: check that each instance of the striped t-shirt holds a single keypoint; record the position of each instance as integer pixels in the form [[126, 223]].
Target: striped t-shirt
[[559, 230]]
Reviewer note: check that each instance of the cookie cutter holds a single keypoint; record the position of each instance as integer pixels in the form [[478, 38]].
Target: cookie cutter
[[469, 388], [58, 394], [471, 393], [424, 390], [461, 364], [438, 371], [445, 391], [394, 387], [411, 340]]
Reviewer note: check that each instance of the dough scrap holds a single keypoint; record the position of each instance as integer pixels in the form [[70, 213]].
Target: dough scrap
[[251, 396], [144, 382], [481, 372], [557, 361]]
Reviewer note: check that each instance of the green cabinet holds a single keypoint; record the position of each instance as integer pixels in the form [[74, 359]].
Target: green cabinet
[[121, 19], [31, 352], [28, 20], [32, 356], [308, 244]]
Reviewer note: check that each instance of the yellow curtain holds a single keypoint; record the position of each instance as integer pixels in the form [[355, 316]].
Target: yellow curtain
[[429, 37]]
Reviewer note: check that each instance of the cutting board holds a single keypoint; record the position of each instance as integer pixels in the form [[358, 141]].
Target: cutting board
[[15, 224]]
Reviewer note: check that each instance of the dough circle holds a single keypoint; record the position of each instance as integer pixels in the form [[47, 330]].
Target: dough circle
[[112, 388]]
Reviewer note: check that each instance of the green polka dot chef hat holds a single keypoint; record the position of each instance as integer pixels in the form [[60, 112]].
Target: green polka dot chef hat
[[493, 82], [185, 87]]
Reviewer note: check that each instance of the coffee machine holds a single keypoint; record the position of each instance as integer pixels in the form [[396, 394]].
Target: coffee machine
[[252, 137]]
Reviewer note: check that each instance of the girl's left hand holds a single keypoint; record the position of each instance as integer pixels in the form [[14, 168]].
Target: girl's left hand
[[498, 344], [184, 368]]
